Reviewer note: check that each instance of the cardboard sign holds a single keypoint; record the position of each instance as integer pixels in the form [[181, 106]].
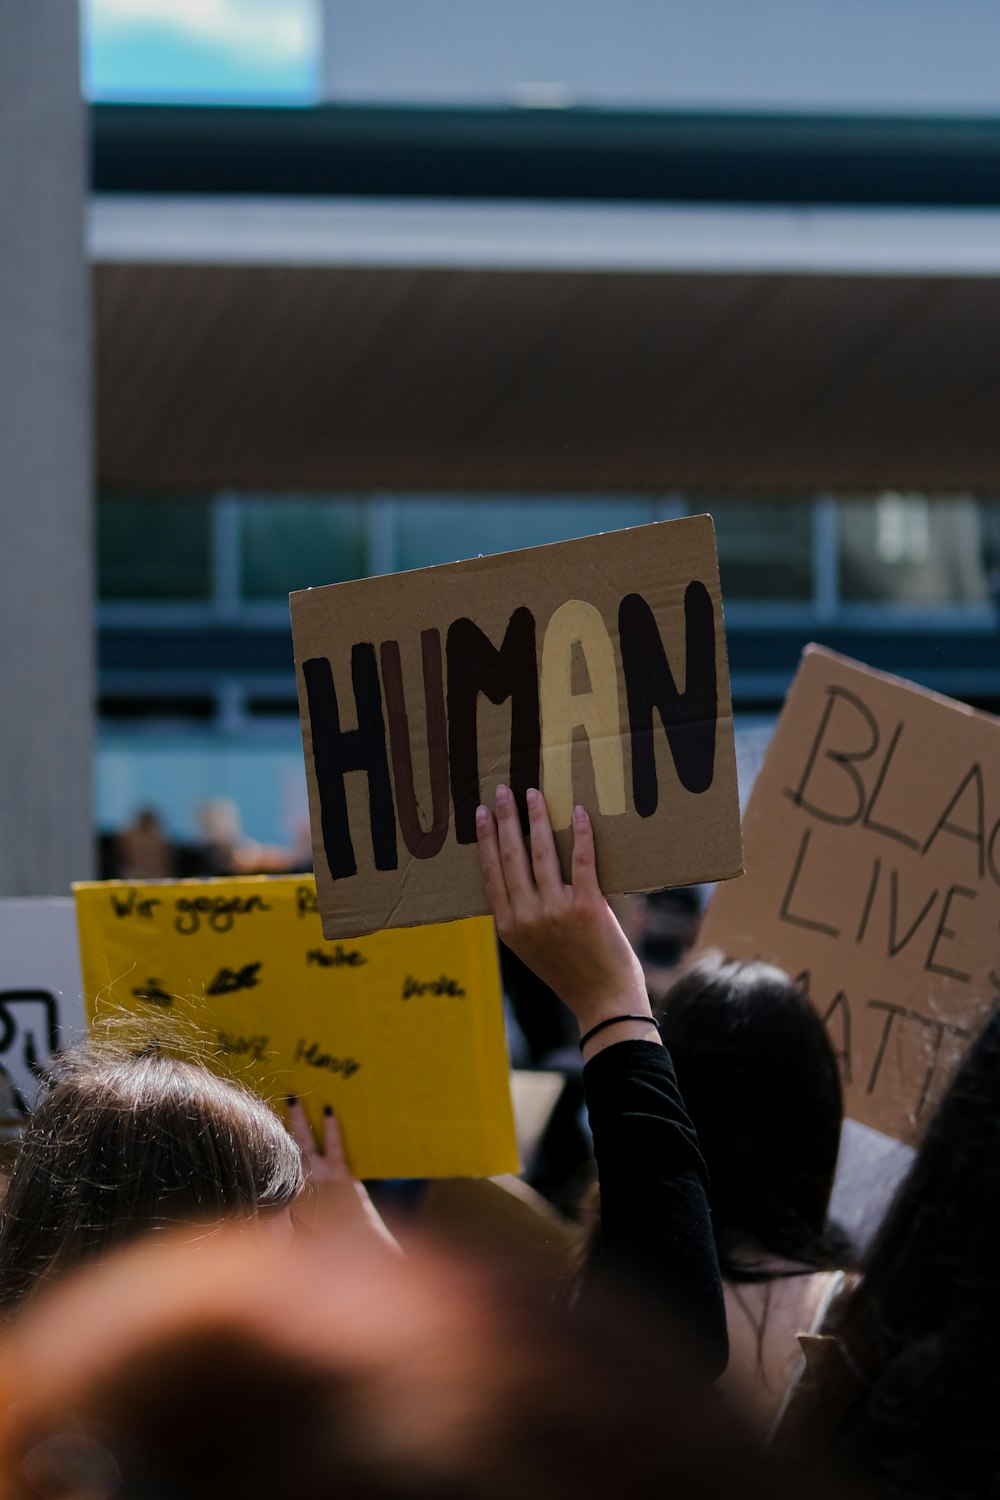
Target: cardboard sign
[[402, 1033], [595, 669], [41, 1008], [873, 873]]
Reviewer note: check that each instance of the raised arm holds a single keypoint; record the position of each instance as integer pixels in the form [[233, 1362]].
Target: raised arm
[[655, 1221], [334, 1202], [567, 934]]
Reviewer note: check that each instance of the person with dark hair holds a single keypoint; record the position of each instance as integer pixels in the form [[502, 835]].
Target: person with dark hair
[[236, 1365], [121, 1144], [760, 1081], [902, 1380], [655, 1229]]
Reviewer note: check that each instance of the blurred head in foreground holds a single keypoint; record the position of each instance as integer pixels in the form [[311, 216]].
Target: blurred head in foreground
[[232, 1365], [121, 1144]]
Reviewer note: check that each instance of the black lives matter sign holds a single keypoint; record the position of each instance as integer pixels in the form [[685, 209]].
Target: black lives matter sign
[[872, 841]]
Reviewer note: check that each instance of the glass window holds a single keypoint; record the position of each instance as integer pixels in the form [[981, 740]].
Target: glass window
[[142, 706], [913, 549], [290, 543], [154, 549], [272, 707], [765, 548], [989, 519], [430, 531]]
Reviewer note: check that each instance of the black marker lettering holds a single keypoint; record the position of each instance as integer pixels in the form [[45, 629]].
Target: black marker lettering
[[843, 758], [897, 943], [337, 958], [253, 1047], [154, 992], [442, 986], [866, 910], [786, 914], [939, 1029], [228, 981], [935, 1052], [868, 821], [312, 1054], [476, 666], [689, 718], [219, 911], [943, 933], [338, 751], [975, 834], [892, 1011], [840, 1009], [134, 905], [306, 902], [422, 843]]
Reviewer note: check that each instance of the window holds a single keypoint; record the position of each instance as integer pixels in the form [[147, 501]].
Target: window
[[287, 544], [184, 707], [913, 549], [765, 548], [151, 549], [430, 531], [222, 556]]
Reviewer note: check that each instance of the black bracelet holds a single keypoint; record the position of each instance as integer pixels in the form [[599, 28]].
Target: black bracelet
[[613, 1021]]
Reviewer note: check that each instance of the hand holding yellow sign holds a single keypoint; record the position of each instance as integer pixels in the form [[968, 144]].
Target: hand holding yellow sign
[[401, 1032]]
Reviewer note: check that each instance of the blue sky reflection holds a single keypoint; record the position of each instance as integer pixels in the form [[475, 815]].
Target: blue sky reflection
[[180, 50]]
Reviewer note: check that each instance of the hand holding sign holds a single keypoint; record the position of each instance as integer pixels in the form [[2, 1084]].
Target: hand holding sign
[[333, 1200], [567, 934], [593, 669]]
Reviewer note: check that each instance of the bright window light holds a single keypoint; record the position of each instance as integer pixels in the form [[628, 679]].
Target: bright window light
[[177, 50]]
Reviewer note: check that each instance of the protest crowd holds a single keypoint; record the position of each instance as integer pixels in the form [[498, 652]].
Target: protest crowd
[[565, 1064], [198, 1300]]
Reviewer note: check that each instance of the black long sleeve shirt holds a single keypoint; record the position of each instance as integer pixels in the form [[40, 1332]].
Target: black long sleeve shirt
[[656, 1225]]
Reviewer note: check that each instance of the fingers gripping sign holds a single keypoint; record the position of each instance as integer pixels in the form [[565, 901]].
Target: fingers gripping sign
[[567, 934], [335, 1201]]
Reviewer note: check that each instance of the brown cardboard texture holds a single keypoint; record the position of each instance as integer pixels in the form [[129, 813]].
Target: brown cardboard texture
[[872, 841], [595, 669]]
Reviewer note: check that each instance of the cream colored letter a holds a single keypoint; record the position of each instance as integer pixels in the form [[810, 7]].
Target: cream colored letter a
[[577, 623]]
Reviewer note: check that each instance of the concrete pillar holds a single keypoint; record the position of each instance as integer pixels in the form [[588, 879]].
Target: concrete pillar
[[46, 551]]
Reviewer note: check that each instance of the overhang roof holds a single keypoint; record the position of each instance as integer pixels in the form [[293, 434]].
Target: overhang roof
[[821, 350], [577, 154]]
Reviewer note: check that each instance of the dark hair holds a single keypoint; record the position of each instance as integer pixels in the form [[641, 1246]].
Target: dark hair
[[234, 1366], [760, 1081], [922, 1329], [120, 1144]]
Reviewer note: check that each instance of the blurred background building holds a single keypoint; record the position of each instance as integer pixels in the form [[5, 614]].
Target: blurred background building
[[385, 283]]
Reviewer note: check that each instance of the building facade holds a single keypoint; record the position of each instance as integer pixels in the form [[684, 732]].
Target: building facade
[[492, 288]]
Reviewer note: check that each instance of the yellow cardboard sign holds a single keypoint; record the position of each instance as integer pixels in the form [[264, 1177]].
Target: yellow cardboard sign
[[401, 1032]]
